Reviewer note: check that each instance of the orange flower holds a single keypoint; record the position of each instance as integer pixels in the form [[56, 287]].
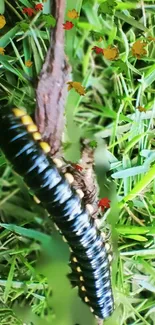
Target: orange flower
[[39, 7], [68, 25], [104, 203], [28, 63], [2, 21], [29, 11], [2, 50]]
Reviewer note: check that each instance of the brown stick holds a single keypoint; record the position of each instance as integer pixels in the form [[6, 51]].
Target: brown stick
[[51, 91]]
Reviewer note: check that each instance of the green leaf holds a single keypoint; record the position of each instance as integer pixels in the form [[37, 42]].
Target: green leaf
[[5, 39], [30, 233], [2, 7], [137, 237], [134, 230], [9, 280], [139, 187], [23, 25], [26, 3], [133, 142], [122, 67], [133, 171], [49, 20], [107, 7], [95, 35], [131, 21]]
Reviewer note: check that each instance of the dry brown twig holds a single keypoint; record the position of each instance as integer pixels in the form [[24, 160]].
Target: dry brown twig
[[51, 91], [51, 96]]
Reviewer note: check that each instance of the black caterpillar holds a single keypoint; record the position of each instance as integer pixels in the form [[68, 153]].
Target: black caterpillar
[[22, 145]]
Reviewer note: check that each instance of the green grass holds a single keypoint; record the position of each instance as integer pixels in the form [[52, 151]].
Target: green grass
[[33, 258]]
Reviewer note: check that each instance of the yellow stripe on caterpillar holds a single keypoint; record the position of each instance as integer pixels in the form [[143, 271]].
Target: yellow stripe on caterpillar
[[32, 128], [18, 112], [75, 259], [58, 162], [83, 288], [69, 178], [36, 136], [26, 120], [90, 208], [80, 193], [45, 146], [86, 299]]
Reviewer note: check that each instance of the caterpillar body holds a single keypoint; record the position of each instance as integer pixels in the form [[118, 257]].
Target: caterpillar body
[[22, 145]]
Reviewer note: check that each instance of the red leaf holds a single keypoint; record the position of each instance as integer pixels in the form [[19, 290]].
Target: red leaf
[[68, 25], [28, 11], [39, 7], [97, 49], [104, 203]]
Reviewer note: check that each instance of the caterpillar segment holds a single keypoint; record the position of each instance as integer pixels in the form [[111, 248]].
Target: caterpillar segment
[[23, 147]]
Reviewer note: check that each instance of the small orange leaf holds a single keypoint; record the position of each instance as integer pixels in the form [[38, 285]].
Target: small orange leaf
[[2, 21], [2, 50], [138, 49], [77, 86], [111, 53], [28, 63], [141, 109], [72, 14], [151, 38]]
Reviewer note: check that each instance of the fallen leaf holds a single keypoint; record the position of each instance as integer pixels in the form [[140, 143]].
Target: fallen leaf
[[68, 25], [28, 63], [138, 49], [2, 50], [141, 109], [77, 86], [2, 21], [97, 49], [72, 14], [104, 203], [111, 53]]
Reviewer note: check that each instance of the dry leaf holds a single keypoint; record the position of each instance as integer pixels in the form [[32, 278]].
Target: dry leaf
[[28, 63], [138, 49], [77, 86], [72, 14], [141, 109], [111, 53]]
